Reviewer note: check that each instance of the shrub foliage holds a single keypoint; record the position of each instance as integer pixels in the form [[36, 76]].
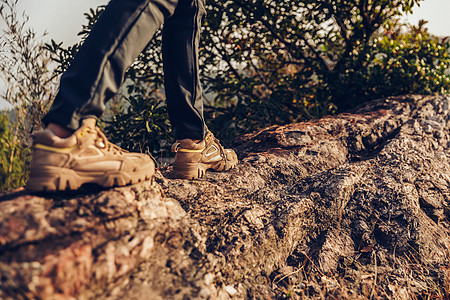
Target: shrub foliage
[[14, 157], [28, 87], [25, 68]]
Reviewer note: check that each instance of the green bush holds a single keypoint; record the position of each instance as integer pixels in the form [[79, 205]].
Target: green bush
[[285, 61], [14, 157], [26, 72], [142, 126], [25, 69], [399, 60]]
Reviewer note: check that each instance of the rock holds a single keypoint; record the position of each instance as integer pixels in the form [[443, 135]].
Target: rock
[[230, 290], [355, 205]]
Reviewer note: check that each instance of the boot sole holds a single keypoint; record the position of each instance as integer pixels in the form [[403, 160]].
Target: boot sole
[[197, 170], [49, 179]]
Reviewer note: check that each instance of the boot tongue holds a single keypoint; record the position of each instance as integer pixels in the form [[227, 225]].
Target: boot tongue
[[90, 123]]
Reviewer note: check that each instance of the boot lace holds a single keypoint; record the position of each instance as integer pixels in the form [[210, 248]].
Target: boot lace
[[103, 142], [221, 148]]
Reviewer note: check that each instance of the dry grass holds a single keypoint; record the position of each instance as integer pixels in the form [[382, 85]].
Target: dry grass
[[403, 278]]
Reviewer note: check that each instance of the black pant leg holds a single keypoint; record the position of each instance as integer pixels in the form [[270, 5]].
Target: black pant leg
[[181, 34], [120, 34]]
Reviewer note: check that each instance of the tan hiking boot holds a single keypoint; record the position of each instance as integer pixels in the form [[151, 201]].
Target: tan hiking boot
[[193, 159], [84, 157]]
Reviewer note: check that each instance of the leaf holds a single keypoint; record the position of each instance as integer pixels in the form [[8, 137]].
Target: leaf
[[367, 249]]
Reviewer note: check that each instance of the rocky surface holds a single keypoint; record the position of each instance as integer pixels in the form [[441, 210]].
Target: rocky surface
[[352, 206]]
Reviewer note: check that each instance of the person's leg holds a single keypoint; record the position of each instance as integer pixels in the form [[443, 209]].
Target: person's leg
[[196, 148], [72, 151], [120, 34], [181, 34]]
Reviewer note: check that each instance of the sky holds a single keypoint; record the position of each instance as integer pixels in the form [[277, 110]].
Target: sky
[[436, 13], [62, 19]]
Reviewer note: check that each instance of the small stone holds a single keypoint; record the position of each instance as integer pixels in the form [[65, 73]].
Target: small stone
[[230, 290], [147, 246], [208, 278]]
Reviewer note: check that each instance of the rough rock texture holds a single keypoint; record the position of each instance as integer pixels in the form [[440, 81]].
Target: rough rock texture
[[353, 206]]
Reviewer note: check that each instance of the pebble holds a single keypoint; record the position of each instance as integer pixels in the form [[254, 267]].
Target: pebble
[[230, 290]]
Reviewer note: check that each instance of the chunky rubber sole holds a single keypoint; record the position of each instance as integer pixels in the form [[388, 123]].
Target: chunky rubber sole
[[197, 170], [48, 179]]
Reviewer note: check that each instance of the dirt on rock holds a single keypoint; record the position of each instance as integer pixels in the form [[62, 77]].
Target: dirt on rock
[[355, 206]]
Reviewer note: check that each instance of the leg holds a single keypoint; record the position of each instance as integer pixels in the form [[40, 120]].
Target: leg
[[181, 34], [63, 161], [196, 148], [121, 33]]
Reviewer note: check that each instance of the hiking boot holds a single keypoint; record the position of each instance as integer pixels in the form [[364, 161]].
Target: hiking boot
[[193, 159], [84, 157]]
